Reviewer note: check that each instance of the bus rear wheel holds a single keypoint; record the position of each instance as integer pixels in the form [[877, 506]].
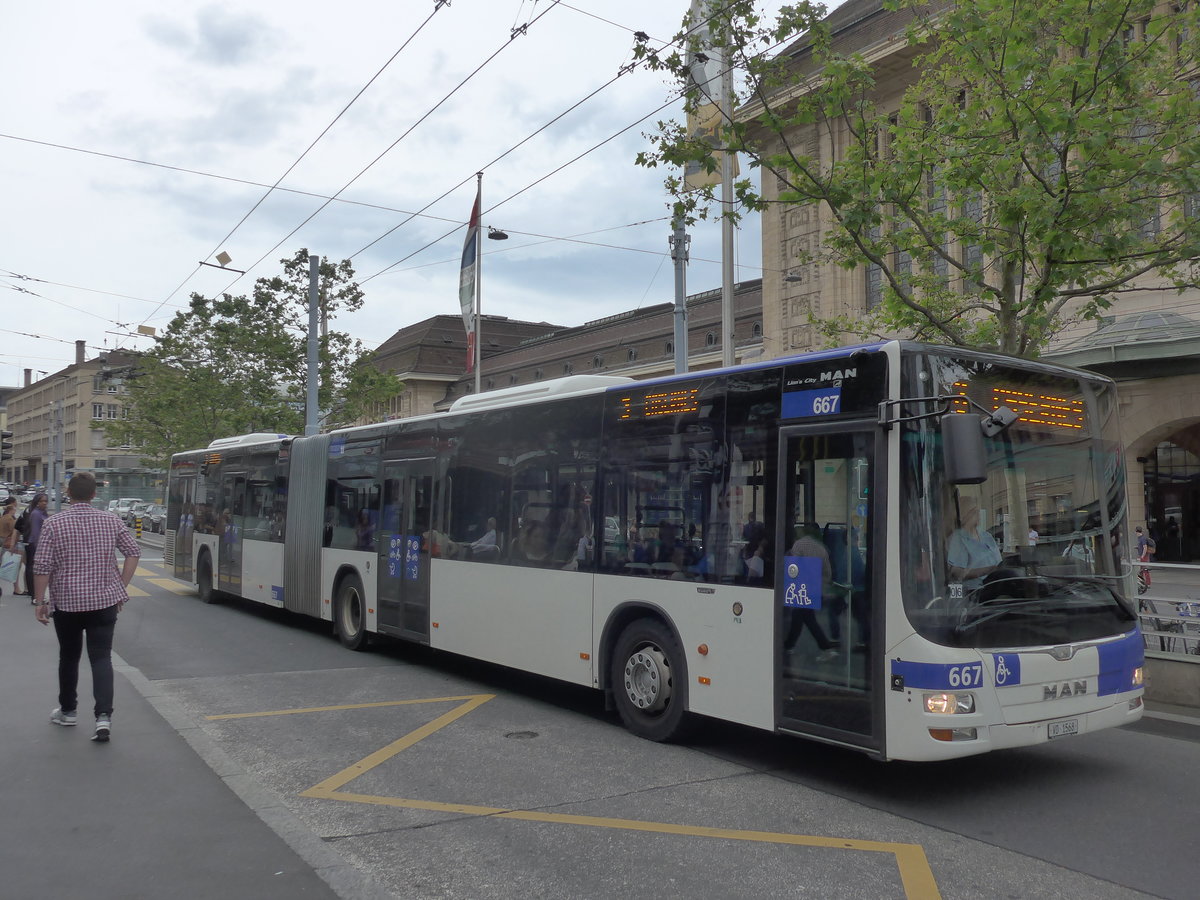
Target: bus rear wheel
[[204, 579], [350, 614], [649, 681]]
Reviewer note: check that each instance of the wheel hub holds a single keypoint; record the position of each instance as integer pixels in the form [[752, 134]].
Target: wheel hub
[[648, 679]]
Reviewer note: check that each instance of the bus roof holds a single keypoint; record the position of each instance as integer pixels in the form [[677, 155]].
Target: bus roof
[[258, 437], [539, 390]]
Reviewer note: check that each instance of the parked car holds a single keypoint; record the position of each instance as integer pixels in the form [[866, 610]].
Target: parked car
[[135, 511], [154, 518], [124, 505]]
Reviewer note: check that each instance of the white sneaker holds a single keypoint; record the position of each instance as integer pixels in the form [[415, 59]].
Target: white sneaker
[[58, 717], [103, 727], [826, 655]]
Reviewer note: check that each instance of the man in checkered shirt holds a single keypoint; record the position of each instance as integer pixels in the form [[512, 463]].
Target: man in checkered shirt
[[76, 563]]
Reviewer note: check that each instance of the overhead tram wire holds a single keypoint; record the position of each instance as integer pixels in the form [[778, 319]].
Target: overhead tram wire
[[555, 239], [75, 287], [143, 162], [392, 146], [622, 71], [437, 6], [570, 109], [86, 312]]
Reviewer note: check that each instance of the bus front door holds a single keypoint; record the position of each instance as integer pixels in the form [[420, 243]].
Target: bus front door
[[403, 589], [825, 617]]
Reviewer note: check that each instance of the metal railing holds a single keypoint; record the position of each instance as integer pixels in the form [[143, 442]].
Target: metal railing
[[1169, 609]]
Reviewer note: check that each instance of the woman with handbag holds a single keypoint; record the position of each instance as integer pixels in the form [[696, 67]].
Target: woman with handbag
[[11, 555]]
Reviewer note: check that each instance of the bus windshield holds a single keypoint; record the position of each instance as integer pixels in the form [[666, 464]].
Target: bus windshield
[[1032, 556]]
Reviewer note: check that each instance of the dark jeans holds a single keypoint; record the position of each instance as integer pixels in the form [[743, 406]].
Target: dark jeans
[[70, 627], [30, 550], [798, 618]]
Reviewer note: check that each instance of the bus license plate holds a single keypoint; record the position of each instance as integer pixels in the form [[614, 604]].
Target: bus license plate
[[1062, 729]]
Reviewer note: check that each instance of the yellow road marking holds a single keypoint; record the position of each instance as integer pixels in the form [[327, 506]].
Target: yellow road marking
[[376, 705], [143, 572], [170, 584], [136, 592], [915, 872]]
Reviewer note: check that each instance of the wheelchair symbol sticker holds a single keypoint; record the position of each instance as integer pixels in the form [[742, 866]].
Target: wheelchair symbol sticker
[[1008, 669]]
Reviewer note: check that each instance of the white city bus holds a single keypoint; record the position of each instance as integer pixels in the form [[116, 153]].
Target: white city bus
[[773, 544]]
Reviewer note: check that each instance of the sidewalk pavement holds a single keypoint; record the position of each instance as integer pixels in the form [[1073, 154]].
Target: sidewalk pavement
[[158, 812]]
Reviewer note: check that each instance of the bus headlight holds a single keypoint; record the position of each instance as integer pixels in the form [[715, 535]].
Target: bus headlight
[[949, 704], [1138, 677]]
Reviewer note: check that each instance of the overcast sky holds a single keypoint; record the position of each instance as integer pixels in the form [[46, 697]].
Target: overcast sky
[[222, 98]]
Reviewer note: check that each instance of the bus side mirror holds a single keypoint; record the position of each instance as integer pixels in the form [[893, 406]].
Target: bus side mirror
[[962, 448]]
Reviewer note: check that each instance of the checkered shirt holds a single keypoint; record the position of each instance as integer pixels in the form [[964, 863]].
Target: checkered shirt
[[76, 550]]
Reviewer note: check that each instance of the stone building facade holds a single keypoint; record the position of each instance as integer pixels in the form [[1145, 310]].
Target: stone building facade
[[430, 356], [1149, 343], [72, 405]]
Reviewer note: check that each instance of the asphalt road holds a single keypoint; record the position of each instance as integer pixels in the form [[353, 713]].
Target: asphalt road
[[440, 777]]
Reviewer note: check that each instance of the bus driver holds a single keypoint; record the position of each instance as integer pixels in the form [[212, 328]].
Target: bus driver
[[970, 552]]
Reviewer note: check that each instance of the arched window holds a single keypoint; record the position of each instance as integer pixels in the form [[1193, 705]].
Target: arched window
[[597, 362], [668, 348], [568, 368], [632, 354], [710, 340], [538, 374], [758, 329]]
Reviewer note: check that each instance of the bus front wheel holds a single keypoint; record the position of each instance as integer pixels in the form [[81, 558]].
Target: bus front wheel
[[350, 614], [649, 681], [204, 579]]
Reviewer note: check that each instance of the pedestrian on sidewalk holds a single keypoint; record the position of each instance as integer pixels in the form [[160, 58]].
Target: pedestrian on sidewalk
[[75, 563], [10, 543], [36, 516]]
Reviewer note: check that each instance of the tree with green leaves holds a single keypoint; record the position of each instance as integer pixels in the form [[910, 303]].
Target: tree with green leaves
[[1042, 161], [236, 364]]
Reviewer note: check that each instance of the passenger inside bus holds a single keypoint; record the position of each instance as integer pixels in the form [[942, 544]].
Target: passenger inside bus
[[487, 546], [364, 531], [809, 544], [532, 547]]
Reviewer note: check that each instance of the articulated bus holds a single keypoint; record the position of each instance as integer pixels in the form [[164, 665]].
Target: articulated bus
[[910, 550]]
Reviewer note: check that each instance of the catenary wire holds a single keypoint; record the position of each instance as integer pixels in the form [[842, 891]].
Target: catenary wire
[[437, 6], [391, 146]]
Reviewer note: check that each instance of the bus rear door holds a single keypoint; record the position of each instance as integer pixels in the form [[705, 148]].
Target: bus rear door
[[404, 546]]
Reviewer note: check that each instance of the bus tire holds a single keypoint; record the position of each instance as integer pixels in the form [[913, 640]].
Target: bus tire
[[649, 681], [350, 614], [204, 579]]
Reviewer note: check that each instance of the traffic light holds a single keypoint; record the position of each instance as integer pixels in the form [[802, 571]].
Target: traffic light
[[5, 445]]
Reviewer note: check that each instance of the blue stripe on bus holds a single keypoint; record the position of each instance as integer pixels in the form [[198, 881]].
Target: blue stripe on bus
[[1117, 663]]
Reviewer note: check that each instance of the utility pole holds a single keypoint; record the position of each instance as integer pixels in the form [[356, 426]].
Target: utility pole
[[314, 315], [726, 104], [56, 452], [679, 242]]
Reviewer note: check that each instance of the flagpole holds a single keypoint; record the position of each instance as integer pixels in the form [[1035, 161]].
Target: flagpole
[[479, 284]]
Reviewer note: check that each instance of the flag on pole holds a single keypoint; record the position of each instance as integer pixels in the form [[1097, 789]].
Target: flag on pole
[[467, 276], [704, 71]]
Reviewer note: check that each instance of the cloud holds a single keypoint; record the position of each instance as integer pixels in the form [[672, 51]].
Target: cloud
[[215, 36]]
